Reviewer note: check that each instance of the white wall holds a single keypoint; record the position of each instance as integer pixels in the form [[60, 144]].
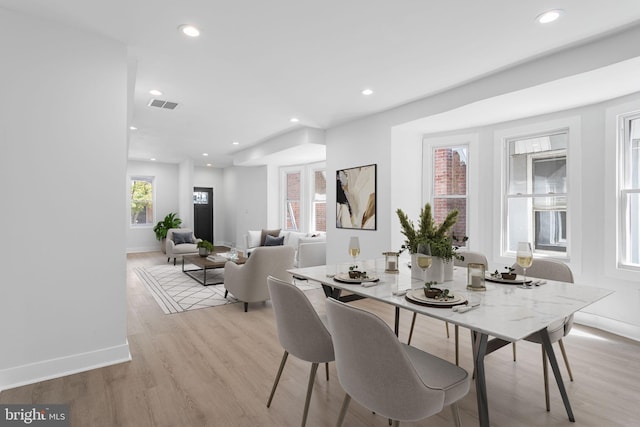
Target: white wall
[[143, 239], [185, 193], [62, 180]]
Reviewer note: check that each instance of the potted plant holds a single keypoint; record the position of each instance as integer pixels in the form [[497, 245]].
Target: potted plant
[[205, 247], [161, 228], [438, 236]]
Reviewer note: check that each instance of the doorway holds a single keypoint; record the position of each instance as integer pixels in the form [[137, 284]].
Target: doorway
[[203, 213]]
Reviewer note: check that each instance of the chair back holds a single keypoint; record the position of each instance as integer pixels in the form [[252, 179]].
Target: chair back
[[300, 329], [271, 261], [179, 230], [551, 270], [470, 257], [373, 367]]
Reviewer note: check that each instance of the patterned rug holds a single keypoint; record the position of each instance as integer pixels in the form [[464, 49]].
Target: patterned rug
[[175, 292]]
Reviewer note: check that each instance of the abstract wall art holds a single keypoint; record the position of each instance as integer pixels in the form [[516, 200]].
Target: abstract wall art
[[356, 198]]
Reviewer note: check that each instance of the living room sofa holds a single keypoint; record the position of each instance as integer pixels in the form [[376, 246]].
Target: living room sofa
[[310, 249]]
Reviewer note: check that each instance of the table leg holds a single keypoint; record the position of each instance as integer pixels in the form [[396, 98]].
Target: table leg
[[479, 341], [548, 348], [396, 327]]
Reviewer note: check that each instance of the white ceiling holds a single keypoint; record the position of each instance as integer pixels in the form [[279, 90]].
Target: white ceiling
[[259, 63]]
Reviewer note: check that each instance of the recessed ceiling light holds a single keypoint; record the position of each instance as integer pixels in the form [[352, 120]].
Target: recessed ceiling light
[[294, 120], [549, 16], [133, 128], [205, 154], [209, 164], [367, 92], [235, 143], [155, 92], [189, 30], [153, 159]]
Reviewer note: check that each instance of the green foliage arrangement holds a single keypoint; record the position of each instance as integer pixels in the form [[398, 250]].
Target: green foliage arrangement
[[205, 244], [438, 236], [169, 221]]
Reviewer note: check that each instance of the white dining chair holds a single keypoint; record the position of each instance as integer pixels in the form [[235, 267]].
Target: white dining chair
[[392, 379], [466, 258], [301, 332], [550, 270]]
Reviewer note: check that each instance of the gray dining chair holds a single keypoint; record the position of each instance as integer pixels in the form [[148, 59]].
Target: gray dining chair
[[390, 378], [466, 258], [301, 332], [550, 270]]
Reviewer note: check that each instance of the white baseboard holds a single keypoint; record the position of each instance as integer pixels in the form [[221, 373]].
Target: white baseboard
[[609, 325], [60, 367]]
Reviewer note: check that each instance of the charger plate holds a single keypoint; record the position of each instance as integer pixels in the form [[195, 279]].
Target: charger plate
[[417, 296], [517, 281], [344, 278]]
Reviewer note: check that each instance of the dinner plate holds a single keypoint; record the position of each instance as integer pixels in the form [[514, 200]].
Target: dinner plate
[[344, 278], [517, 281], [417, 296]]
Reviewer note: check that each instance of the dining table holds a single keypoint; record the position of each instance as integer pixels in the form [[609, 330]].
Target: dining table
[[500, 314]]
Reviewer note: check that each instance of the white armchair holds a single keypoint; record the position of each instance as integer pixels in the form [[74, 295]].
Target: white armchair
[[248, 282], [183, 243]]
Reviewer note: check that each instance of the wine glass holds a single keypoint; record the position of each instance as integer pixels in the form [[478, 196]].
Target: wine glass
[[423, 258], [354, 248], [524, 258]]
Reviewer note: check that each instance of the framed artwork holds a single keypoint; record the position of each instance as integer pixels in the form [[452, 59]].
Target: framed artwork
[[356, 198]]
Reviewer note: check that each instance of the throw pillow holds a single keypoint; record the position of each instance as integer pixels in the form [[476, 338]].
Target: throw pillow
[[253, 238], [180, 238], [273, 241], [265, 233]]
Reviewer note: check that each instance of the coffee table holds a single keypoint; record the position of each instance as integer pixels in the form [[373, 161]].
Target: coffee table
[[207, 263]]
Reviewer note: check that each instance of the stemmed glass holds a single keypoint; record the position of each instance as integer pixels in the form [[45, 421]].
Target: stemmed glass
[[524, 258], [423, 257], [354, 248]]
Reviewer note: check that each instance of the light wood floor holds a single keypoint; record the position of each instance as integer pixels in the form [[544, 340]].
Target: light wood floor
[[215, 367]]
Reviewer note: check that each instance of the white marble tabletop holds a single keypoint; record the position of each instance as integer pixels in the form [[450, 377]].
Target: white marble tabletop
[[505, 310]]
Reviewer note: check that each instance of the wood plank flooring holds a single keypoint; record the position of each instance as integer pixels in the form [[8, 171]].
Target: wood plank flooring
[[215, 367]]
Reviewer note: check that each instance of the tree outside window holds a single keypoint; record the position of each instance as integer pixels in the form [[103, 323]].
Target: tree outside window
[[142, 201]]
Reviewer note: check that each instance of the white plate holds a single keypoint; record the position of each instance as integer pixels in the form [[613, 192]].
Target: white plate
[[418, 296], [517, 281]]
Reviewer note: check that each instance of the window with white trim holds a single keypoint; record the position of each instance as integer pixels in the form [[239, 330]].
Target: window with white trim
[[536, 193], [141, 201], [304, 198], [450, 183], [629, 190]]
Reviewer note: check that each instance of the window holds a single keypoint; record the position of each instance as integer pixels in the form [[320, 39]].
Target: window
[[450, 186], [629, 191], [304, 198], [319, 211], [536, 193], [292, 204], [141, 201]]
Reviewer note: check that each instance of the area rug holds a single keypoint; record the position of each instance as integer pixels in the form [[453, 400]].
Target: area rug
[[175, 292]]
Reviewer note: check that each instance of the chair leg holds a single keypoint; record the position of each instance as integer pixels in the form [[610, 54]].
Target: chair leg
[[413, 323], [312, 377], [456, 333], [277, 380], [343, 410], [566, 359], [545, 373], [455, 411], [225, 293], [326, 368], [168, 259], [446, 326], [513, 346], [246, 307]]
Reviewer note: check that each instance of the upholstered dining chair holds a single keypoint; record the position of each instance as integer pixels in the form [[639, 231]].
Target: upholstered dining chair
[[301, 332], [248, 282], [466, 258], [550, 270], [392, 379]]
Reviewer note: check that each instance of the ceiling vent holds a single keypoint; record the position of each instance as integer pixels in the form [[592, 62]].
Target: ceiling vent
[[162, 104]]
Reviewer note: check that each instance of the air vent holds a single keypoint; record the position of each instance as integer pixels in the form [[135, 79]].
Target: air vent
[[162, 104]]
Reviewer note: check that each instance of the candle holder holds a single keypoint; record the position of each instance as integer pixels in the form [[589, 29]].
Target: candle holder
[[475, 276], [391, 262]]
